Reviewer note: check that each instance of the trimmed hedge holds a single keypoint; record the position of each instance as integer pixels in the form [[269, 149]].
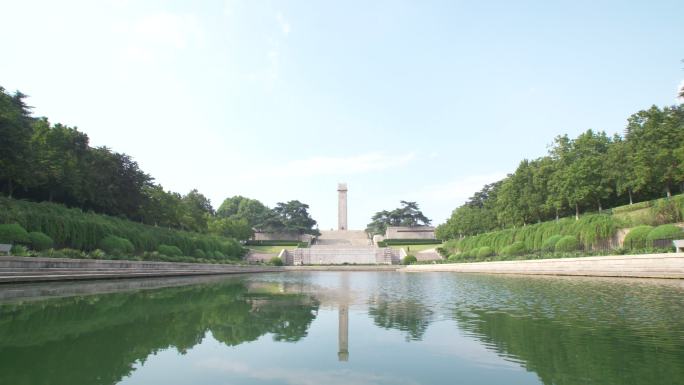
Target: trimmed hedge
[[484, 252], [515, 249], [409, 260], [40, 241], [116, 245], [170, 251], [400, 242], [567, 243], [272, 243], [13, 233], [73, 228], [637, 237], [550, 243], [664, 232]]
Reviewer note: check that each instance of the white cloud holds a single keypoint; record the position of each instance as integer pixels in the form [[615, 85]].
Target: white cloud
[[149, 35], [296, 376], [322, 165], [284, 24], [457, 192]]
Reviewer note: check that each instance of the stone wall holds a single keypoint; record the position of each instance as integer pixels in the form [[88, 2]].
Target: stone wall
[[668, 265], [417, 232], [282, 236]]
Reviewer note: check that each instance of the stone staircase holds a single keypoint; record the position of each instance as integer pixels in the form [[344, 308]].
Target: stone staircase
[[341, 247]]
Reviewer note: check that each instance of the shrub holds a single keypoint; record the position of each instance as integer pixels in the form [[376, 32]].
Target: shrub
[[116, 245], [19, 251], [485, 252], [169, 251], [219, 255], [455, 257], [199, 253], [72, 253], [275, 261], [567, 243], [666, 211], [40, 241], [636, 238], [550, 243], [515, 249], [97, 254], [664, 232], [13, 233], [409, 260]]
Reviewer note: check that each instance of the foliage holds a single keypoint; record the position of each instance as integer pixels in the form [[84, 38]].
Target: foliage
[[170, 251], [19, 251], [40, 241], [83, 231], [408, 214], [199, 253], [516, 248], [13, 233], [484, 252], [583, 174], [637, 237], [41, 161], [275, 261], [399, 242], [666, 211], [567, 243], [550, 243], [116, 245], [409, 260], [664, 232]]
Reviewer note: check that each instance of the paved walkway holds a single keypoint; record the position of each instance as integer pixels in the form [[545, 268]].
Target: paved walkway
[[669, 265]]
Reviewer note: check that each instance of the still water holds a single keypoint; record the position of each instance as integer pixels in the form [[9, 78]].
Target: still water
[[344, 328]]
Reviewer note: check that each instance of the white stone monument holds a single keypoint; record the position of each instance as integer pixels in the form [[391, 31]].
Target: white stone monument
[[342, 206]]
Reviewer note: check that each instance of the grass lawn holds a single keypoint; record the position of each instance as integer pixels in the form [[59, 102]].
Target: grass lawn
[[410, 249], [270, 249]]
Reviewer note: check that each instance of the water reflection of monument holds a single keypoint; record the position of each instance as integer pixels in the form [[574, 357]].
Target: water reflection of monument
[[343, 320]]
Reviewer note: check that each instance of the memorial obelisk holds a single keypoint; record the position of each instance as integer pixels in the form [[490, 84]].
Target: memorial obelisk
[[342, 206]]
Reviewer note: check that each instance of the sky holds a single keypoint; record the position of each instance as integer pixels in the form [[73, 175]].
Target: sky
[[423, 101]]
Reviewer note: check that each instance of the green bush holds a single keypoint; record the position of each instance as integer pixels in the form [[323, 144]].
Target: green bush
[[515, 249], [19, 251], [114, 245], [550, 243], [455, 257], [485, 252], [199, 253], [97, 254], [666, 211], [637, 237], [219, 255], [40, 241], [170, 251], [13, 233], [567, 243], [664, 232], [72, 253], [409, 260], [275, 261]]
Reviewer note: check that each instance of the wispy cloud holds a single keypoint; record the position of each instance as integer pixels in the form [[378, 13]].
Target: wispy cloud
[[284, 24], [303, 376], [324, 165], [457, 191], [160, 31]]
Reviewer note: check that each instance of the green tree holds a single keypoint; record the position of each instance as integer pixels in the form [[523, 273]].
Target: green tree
[[197, 210], [294, 216], [15, 135], [408, 214]]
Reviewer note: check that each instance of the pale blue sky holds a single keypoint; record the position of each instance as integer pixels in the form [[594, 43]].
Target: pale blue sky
[[280, 100]]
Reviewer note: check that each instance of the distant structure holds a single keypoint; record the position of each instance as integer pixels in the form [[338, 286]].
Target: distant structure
[[342, 206]]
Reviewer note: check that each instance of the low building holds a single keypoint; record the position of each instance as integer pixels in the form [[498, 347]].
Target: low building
[[410, 232]]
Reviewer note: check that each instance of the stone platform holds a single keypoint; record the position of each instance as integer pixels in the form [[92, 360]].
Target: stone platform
[[668, 265]]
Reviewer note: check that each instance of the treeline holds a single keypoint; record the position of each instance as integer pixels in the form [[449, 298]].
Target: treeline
[[41, 161], [588, 173]]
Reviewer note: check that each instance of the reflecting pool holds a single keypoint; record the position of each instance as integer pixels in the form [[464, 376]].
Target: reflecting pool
[[344, 328]]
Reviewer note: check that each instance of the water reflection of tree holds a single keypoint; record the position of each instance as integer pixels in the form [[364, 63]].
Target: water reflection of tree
[[580, 332], [98, 339], [407, 315]]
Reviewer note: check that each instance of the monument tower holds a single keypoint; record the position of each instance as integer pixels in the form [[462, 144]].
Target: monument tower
[[342, 206]]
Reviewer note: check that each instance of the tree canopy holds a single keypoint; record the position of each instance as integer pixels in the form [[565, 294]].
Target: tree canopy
[[408, 214], [588, 173]]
